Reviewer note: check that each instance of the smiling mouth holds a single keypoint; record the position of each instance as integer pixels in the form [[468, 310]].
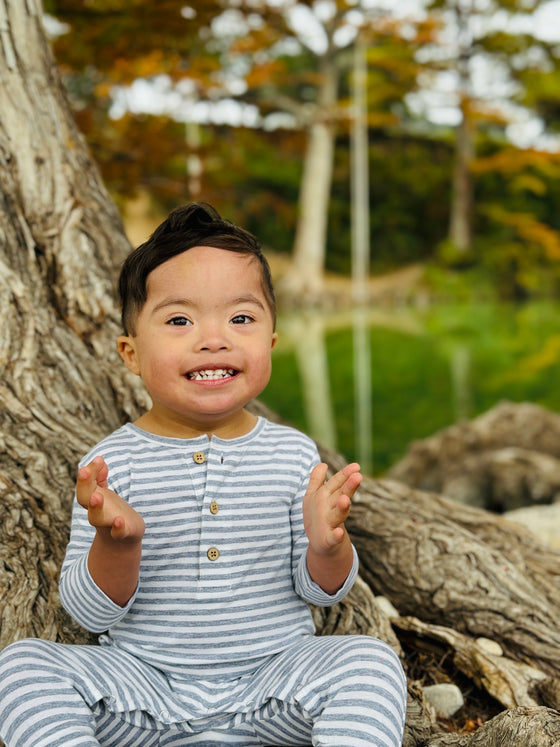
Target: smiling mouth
[[212, 374]]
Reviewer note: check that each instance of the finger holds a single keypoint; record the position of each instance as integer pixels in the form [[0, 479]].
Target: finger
[[345, 475], [343, 504], [352, 484], [98, 470], [102, 471], [97, 513], [119, 528], [337, 536], [96, 501], [317, 477], [338, 512], [85, 485]]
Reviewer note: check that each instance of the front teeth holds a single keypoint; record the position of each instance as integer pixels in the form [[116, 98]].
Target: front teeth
[[213, 373]]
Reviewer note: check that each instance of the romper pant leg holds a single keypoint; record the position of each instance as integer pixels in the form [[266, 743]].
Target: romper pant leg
[[38, 705], [342, 690], [42, 703], [347, 690]]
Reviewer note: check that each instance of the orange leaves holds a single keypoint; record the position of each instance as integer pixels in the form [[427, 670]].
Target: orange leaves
[[531, 232], [265, 73], [511, 160], [147, 65]]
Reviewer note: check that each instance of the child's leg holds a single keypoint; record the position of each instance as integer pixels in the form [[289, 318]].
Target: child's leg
[[220, 737], [37, 705], [47, 700], [351, 690]]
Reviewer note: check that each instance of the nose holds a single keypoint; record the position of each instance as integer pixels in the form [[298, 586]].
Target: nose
[[212, 337]]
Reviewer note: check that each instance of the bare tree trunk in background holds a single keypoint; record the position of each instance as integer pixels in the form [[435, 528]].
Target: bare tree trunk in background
[[455, 576], [460, 228], [310, 245]]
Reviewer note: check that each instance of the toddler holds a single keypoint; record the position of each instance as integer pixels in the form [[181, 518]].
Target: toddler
[[199, 535]]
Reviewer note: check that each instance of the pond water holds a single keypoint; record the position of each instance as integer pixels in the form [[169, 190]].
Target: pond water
[[368, 382]]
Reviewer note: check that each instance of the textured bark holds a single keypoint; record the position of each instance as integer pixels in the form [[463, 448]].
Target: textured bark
[[453, 573], [430, 567], [526, 727], [61, 388]]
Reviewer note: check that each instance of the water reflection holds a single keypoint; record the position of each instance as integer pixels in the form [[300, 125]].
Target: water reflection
[[460, 361], [369, 382], [305, 335], [362, 391]]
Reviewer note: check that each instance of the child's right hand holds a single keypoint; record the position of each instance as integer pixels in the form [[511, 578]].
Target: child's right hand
[[107, 511]]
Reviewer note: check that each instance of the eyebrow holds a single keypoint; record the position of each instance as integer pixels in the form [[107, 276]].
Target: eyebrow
[[171, 302], [248, 299], [176, 301]]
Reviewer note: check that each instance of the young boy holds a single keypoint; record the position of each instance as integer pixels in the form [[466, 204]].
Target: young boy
[[198, 536]]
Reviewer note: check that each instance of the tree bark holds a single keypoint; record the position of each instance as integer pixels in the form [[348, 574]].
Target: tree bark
[[454, 575], [61, 388]]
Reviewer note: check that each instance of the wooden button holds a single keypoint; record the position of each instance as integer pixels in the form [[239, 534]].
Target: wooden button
[[213, 553], [214, 508], [199, 457]]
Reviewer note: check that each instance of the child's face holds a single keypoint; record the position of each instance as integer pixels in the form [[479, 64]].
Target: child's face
[[203, 340]]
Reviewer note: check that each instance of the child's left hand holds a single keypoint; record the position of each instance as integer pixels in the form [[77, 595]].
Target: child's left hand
[[326, 506]]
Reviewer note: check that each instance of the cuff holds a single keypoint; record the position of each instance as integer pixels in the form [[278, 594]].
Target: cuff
[[312, 592], [86, 602]]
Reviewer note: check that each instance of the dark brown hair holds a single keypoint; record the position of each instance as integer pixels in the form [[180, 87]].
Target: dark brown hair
[[195, 224]]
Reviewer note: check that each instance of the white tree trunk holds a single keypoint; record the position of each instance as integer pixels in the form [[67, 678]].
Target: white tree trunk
[[461, 194], [310, 244]]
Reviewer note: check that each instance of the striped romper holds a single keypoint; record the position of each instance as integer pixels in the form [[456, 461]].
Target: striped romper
[[217, 645]]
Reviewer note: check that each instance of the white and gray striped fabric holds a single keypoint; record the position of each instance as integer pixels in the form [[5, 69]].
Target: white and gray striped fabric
[[218, 635]]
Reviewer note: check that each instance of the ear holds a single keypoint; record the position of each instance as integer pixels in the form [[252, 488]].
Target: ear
[[127, 350], [274, 340]]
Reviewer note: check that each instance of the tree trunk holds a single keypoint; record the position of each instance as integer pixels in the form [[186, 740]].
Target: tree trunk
[[461, 190], [305, 279], [61, 385], [454, 575]]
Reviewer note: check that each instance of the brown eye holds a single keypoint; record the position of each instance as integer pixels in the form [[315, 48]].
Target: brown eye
[[242, 319]]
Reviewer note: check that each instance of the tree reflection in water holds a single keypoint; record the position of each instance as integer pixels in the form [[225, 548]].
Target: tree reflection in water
[[370, 381]]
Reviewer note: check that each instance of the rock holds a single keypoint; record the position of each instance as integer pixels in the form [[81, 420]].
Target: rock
[[445, 698], [543, 521], [490, 647], [386, 607], [505, 459]]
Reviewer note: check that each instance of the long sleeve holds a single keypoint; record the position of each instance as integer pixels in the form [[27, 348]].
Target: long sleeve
[[79, 594], [223, 576], [85, 601], [304, 585]]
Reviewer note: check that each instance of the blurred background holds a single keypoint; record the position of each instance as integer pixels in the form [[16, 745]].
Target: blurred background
[[400, 162]]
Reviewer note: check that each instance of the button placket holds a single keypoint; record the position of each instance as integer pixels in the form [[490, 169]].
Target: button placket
[[213, 562]]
